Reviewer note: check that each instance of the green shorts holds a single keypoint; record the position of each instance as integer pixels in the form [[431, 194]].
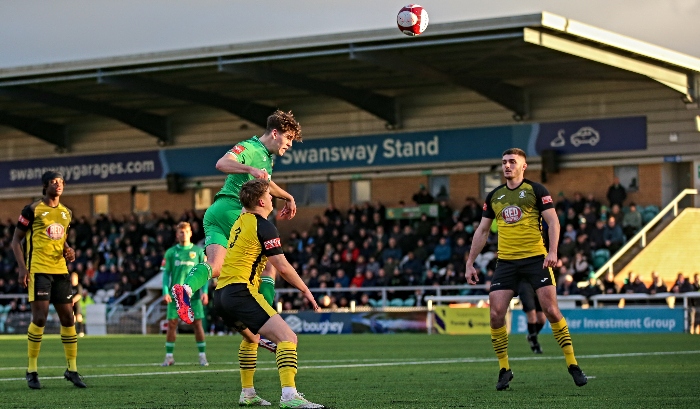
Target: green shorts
[[197, 309], [219, 219]]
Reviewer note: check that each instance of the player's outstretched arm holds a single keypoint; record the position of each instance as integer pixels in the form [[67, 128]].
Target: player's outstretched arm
[[478, 242], [290, 275], [290, 207], [550, 216]]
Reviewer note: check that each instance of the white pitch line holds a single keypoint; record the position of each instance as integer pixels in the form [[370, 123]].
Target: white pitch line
[[379, 364]]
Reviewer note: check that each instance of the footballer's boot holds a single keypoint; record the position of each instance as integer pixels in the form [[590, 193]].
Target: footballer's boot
[[534, 344], [298, 401], [504, 378], [252, 401], [169, 361], [182, 303], [578, 375], [33, 380], [75, 378], [267, 344], [203, 360]]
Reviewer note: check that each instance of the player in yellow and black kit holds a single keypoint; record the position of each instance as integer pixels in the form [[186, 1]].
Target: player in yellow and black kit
[[252, 243], [42, 269], [519, 207]]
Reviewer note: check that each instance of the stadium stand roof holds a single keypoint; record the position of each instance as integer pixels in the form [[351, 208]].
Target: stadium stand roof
[[499, 58]]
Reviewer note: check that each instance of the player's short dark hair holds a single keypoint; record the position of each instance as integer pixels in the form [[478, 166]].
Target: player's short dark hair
[[252, 191], [47, 177], [183, 226], [515, 151], [284, 122]]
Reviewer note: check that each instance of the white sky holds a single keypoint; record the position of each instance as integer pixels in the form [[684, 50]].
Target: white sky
[[48, 31]]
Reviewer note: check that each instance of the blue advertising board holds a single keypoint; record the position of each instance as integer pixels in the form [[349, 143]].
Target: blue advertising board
[[116, 167], [323, 323], [384, 150], [612, 320]]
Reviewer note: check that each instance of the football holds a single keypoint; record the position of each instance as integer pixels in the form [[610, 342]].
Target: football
[[412, 20]]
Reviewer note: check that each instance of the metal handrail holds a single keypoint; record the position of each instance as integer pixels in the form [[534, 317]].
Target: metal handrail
[[422, 289], [642, 234]]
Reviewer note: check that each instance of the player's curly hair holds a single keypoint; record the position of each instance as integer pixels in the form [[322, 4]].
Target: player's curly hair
[[252, 191], [284, 122]]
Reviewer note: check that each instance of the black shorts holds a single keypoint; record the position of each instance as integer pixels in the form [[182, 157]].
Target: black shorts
[[55, 288], [509, 273], [528, 297], [241, 308]]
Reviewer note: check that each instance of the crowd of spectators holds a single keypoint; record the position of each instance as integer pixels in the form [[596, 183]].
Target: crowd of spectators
[[355, 248]]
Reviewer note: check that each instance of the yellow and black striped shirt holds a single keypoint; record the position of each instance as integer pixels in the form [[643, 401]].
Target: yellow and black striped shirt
[[251, 241], [518, 213], [46, 229]]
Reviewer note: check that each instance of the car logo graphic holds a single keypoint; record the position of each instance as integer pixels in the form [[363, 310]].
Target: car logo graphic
[[585, 135], [500, 197]]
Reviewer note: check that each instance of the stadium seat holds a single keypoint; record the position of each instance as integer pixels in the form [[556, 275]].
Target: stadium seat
[[649, 213], [396, 302], [600, 257], [409, 302], [373, 303]]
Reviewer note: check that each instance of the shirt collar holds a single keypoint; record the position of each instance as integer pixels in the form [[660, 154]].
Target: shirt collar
[[256, 139]]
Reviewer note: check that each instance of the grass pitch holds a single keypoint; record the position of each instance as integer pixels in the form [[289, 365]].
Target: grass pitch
[[363, 371]]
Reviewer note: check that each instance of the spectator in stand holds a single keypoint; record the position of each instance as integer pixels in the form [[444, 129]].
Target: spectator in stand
[[696, 282], [567, 248], [392, 250], [616, 212], [634, 285], [604, 213], [571, 218], [682, 285], [597, 236], [421, 252], [581, 268], [341, 278], [423, 196], [632, 221], [358, 279], [588, 215], [471, 212], [609, 286], [411, 266], [578, 203], [613, 235], [445, 214], [442, 253], [332, 213], [459, 250], [616, 193], [657, 284], [570, 231], [567, 286], [594, 287], [433, 239]]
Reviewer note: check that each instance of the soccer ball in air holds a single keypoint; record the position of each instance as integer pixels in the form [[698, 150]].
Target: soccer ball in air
[[412, 19]]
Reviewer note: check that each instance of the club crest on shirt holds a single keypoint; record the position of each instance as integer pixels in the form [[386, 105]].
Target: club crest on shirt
[[522, 194], [55, 231], [193, 254], [511, 214]]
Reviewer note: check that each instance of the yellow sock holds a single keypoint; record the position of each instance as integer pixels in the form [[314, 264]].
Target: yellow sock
[[34, 335], [561, 334], [69, 338], [247, 359], [499, 340], [286, 357]]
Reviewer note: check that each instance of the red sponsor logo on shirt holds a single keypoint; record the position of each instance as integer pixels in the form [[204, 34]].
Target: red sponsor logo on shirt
[[273, 243], [511, 214], [162, 263], [485, 207], [55, 231], [23, 220], [546, 199], [238, 149]]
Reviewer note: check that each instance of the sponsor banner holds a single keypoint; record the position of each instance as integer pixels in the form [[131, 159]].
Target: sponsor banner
[[460, 321], [394, 149], [413, 212], [84, 169], [385, 322], [609, 320], [323, 323], [593, 135]]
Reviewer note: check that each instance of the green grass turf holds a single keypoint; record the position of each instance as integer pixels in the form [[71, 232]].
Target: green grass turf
[[362, 371]]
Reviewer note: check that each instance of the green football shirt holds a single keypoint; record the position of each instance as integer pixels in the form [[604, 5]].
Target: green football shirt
[[250, 152], [177, 262]]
